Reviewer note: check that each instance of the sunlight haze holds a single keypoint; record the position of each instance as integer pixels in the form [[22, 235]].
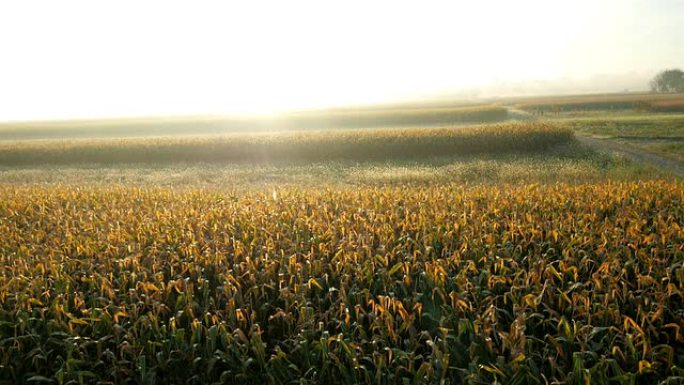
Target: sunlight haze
[[80, 59]]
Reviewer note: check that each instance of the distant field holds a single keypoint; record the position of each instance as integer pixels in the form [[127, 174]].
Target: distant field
[[411, 115], [662, 134], [604, 102], [639, 126], [358, 145]]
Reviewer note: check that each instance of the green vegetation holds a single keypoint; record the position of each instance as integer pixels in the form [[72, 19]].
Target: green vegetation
[[565, 163], [358, 145], [671, 149], [640, 126], [520, 285], [670, 80], [661, 134]]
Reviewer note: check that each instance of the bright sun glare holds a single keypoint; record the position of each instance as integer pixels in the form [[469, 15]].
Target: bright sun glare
[[88, 59]]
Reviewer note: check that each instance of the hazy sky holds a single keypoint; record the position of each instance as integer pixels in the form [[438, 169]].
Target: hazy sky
[[64, 59]]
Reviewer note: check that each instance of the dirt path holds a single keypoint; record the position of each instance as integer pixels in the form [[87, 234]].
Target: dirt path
[[633, 153], [607, 145]]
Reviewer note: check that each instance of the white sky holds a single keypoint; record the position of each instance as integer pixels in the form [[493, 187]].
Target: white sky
[[71, 59]]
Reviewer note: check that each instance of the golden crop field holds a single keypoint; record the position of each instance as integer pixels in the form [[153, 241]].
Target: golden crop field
[[524, 284], [299, 146]]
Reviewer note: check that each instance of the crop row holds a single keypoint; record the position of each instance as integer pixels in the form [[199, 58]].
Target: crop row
[[399, 116], [301, 146]]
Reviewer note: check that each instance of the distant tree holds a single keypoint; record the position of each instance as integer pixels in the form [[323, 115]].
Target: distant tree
[[671, 80]]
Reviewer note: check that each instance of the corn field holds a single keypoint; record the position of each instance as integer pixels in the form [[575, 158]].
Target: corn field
[[299, 146], [420, 115], [531, 284]]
